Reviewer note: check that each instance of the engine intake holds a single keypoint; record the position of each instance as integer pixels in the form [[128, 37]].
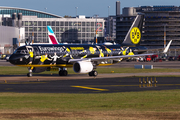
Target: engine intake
[[82, 67]]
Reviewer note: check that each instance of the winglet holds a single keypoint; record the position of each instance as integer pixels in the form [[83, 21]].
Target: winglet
[[167, 47]]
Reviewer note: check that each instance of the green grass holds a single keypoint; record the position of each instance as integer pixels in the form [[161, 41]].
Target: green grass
[[128, 105], [14, 70], [60, 102]]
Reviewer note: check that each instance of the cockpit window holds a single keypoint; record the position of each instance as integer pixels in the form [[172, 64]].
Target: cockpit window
[[21, 50]]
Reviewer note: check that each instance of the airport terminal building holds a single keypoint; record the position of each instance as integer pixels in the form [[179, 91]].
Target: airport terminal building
[[28, 23]]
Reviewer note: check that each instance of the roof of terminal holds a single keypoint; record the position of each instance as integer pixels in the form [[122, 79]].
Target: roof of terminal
[[27, 12]]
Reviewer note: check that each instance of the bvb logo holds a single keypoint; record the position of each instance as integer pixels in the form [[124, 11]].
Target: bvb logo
[[135, 35]]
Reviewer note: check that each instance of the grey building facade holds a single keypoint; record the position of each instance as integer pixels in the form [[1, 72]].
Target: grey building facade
[[161, 24], [34, 23]]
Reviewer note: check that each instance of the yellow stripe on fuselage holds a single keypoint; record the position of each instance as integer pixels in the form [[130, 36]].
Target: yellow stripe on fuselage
[[57, 65]]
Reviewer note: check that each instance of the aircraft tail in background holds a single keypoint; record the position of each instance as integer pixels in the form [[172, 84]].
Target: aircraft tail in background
[[51, 35], [133, 36]]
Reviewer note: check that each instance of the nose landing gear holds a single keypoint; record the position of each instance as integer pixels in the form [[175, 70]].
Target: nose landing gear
[[30, 72]]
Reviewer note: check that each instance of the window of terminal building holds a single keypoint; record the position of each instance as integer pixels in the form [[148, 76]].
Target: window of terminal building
[[30, 23], [83, 34], [26, 23], [30, 29], [53, 28], [26, 29], [57, 29], [70, 29], [39, 35], [79, 34], [92, 23], [44, 23], [53, 23], [66, 29], [79, 29], [49, 23], [88, 35], [44, 34], [26, 35], [62, 29], [92, 35], [57, 34], [35, 34], [79, 23], [35, 29], [57, 23], [44, 29], [83, 29], [39, 29], [93, 29], [70, 23], [35, 23], [75, 23], [61, 23], [75, 29], [88, 23], [66, 23], [83, 23], [87, 29], [100, 35], [39, 23]]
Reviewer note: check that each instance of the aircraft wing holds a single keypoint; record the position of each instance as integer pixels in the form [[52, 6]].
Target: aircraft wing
[[117, 57], [108, 58]]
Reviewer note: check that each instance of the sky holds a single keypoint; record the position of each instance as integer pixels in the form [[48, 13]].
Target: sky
[[88, 8]]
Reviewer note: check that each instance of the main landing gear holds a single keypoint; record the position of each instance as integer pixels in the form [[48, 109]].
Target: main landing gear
[[63, 72], [93, 73]]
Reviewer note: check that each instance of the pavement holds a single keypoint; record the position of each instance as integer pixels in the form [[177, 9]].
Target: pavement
[[92, 85], [44, 77], [82, 83]]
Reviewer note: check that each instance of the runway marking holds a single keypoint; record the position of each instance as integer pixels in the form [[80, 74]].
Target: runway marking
[[9, 89], [84, 87], [131, 85], [113, 85]]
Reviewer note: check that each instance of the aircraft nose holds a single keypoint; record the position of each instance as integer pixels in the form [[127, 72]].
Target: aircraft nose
[[12, 59]]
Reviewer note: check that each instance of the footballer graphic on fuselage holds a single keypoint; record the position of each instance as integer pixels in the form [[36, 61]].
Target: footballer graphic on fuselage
[[83, 58]]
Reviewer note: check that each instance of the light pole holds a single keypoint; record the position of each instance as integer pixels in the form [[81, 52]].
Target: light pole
[[76, 11], [45, 9], [165, 35], [109, 23], [96, 28]]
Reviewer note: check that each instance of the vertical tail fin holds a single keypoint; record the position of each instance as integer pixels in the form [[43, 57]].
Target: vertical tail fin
[[51, 35], [167, 47], [133, 36]]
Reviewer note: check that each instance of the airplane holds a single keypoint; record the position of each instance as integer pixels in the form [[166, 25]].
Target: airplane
[[83, 58]]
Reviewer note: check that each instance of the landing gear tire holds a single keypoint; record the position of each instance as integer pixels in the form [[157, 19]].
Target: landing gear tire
[[93, 73], [29, 74], [63, 73]]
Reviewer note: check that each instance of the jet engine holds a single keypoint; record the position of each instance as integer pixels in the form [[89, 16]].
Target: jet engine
[[82, 67]]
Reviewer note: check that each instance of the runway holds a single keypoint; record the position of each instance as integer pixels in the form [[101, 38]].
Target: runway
[[98, 85]]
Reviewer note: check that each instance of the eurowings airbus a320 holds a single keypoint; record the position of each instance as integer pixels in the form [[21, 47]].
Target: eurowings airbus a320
[[83, 58]]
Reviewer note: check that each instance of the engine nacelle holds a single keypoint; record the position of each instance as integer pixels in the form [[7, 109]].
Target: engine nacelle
[[82, 67]]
